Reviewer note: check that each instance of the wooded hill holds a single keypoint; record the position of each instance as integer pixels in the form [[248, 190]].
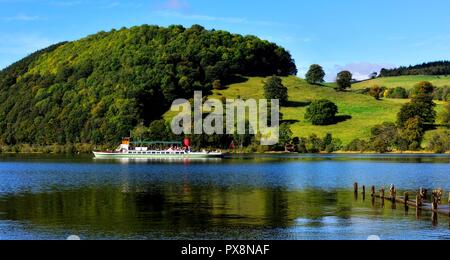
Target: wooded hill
[[430, 68], [95, 90]]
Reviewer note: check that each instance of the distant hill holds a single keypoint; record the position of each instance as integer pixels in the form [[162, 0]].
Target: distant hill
[[95, 90], [406, 82], [430, 68]]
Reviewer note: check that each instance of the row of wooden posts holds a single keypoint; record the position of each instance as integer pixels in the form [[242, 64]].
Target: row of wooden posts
[[419, 203]]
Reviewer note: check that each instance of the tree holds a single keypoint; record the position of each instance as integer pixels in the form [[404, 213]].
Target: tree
[[398, 93], [373, 75], [321, 112], [376, 92], [446, 114], [315, 144], [384, 137], [96, 91], [440, 142], [274, 89], [421, 106], [315, 74], [285, 134], [330, 144], [411, 134], [344, 80], [423, 88], [431, 68], [159, 130]]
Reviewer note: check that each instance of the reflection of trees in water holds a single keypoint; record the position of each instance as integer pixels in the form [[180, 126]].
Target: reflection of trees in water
[[169, 209]]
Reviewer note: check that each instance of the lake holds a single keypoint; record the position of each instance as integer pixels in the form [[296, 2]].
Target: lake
[[243, 197]]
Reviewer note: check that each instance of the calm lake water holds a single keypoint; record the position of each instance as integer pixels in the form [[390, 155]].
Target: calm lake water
[[251, 197]]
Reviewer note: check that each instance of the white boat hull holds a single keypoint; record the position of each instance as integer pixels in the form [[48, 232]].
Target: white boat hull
[[108, 155]]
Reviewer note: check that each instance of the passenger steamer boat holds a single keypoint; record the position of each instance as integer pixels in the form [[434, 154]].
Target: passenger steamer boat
[[156, 150]]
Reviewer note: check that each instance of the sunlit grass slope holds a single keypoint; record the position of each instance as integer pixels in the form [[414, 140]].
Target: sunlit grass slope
[[365, 111], [406, 82]]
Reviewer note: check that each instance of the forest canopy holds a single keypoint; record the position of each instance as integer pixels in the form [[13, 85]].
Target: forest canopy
[[95, 90], [431, 68]]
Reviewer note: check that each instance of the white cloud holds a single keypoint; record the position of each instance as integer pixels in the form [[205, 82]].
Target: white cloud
[[360, 70]]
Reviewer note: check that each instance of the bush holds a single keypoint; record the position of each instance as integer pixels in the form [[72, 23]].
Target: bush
[[397, 93], [376, 92], [330, 144], [441, 94], [440, 142], [384, 137], [321, 112], [357, 145]]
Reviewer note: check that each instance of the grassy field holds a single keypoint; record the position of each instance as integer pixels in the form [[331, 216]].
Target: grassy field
[[365, 111], [406, 82]]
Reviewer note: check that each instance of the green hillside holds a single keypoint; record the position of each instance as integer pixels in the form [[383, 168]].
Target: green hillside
[[95, 90], [406, 82], [364, 110]]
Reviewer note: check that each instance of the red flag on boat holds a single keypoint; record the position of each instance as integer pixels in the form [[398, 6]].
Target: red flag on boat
[[187, 142]]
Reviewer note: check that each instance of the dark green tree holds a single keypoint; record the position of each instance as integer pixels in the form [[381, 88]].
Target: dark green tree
[[411, 134], [315, 74], [421, 106], [344, 80], [285, 134], [321, 112], [274, 89], [446, 114]]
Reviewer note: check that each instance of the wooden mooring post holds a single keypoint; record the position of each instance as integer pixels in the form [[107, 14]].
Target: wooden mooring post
[[406, 196], [421, 203], [434, 202], [423, 193], [393, 194]]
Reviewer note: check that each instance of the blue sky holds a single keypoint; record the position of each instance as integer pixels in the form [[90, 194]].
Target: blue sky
[[361, 36]]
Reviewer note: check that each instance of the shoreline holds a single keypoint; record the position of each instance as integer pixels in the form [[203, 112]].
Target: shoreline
[[260, 153]]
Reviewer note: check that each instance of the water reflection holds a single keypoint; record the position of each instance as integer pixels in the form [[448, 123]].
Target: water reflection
[[180, 211], [243, 198]]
